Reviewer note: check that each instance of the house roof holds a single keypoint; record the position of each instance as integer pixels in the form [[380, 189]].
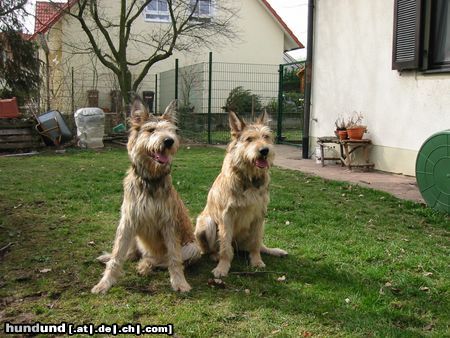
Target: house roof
[[283, 24], [47, 14]]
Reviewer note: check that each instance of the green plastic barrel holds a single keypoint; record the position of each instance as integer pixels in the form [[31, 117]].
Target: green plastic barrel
[[433, 171]]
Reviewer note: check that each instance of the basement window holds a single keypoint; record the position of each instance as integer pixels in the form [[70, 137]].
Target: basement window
[[421, 35]]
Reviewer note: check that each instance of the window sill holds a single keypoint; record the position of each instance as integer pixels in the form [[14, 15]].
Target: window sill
[[157, 20], [436, 71]]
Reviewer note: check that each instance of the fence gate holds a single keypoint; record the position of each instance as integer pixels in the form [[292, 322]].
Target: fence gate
[[290, 105], [207, 91]]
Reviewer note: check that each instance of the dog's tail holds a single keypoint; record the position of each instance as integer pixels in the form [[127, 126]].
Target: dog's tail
[[190, 253], [273, 251]]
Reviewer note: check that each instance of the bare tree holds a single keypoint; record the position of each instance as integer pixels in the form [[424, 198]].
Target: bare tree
[[11, 13], [111, 35]]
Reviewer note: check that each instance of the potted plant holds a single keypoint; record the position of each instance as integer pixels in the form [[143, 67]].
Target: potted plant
[[341, 128], [355, 128]]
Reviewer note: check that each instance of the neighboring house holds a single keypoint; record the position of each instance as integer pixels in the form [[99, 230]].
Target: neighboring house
[[389, 60], [263, 38]]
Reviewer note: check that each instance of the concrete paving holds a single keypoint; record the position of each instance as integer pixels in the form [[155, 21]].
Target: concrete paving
[[401, 186]]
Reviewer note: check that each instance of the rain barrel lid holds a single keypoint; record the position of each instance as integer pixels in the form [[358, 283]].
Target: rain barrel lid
[[433, 171]]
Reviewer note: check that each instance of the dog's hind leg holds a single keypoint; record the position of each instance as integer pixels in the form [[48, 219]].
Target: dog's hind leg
[[273, 251], [206, 234], [132, 254], [190, 253], [124, 235]]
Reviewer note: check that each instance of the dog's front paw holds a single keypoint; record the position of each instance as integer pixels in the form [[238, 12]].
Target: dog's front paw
[[144, 267], [221, 270], [102, 287], [258, 264], [181, 286]]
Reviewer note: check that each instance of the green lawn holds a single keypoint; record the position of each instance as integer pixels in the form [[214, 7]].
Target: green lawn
[[361, 262]]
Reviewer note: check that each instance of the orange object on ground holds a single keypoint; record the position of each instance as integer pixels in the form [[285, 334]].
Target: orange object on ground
[[9, 108]]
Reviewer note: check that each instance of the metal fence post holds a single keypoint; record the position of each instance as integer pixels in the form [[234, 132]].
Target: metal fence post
[[72, 102], [156, 94], [280, 103], [176, 80], [209, 96]]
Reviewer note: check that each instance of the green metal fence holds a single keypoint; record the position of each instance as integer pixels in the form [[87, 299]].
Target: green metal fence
[[206, 91], [290, 106]]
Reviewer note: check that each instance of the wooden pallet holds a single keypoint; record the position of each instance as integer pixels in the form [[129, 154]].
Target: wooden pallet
[[16, 134]]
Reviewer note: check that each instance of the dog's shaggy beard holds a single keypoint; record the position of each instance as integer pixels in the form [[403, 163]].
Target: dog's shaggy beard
[[245, 157], [150, 157]]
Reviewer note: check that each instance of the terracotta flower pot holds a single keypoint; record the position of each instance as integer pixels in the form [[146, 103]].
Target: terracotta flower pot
[[356, 133], [342, 134]]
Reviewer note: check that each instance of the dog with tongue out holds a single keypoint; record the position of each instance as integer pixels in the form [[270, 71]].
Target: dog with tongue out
[[154, 223], [238, 199]]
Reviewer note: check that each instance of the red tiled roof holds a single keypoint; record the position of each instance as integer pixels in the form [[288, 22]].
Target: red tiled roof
[[44, 12], [282, 23], [47, 14]]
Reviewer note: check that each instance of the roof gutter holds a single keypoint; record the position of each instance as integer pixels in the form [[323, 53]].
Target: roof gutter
[[308, 73]]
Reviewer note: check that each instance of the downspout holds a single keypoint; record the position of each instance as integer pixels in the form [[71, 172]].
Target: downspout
[[308, 73]]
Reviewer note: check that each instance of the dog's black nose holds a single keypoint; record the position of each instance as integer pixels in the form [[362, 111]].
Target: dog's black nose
[[264, 151], [168, 142]]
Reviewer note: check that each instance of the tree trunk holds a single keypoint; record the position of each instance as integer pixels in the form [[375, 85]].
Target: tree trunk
[[126, 88]]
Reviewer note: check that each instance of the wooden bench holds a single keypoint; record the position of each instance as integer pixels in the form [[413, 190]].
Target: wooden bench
[[346, 147]]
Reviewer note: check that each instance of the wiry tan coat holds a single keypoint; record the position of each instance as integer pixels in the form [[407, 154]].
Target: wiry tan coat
[[153, 217], [238, 199]]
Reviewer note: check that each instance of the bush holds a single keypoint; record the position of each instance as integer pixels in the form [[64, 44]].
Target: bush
[[242, 100], [292, 103]]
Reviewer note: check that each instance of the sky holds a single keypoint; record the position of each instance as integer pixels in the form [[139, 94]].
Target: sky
[[293, 12]]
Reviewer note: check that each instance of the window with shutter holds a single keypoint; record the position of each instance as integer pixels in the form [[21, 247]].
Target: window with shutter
[[407, 34], [439, 41]]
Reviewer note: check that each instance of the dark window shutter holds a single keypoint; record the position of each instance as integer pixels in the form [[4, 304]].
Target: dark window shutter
[[407, 34]]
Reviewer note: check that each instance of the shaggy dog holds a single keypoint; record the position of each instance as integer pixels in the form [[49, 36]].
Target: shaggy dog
[[153, 217], [237, 202]]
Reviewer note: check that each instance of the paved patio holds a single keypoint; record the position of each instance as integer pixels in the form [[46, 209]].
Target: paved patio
[[401, 186]]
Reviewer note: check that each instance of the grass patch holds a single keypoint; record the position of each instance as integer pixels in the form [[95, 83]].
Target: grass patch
[[360, 262]]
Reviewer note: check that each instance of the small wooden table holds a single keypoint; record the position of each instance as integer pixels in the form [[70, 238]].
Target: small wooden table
[[347, 147]]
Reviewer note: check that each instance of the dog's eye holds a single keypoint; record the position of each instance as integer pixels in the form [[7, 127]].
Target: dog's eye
[[151, 130], [249, 139], [267, 137]]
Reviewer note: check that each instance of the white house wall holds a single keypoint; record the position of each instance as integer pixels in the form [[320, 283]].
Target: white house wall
[[352, 72]]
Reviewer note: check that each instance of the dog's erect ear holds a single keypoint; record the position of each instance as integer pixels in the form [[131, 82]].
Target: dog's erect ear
[[170, 114], [138, 113], [237, 124], [264, 118]]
